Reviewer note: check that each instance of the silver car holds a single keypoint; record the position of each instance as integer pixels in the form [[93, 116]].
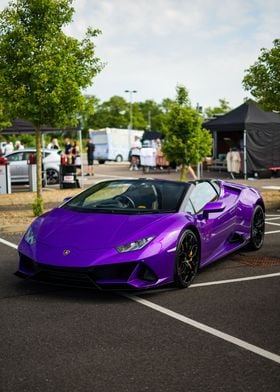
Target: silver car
[[19, 165]]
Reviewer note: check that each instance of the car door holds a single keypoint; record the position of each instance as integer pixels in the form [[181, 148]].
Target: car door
[[19, 165], [16, 165], [24, 165], [215, 228]]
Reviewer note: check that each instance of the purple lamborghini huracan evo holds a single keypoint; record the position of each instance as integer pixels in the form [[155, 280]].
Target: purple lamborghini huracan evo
[[141, 233]]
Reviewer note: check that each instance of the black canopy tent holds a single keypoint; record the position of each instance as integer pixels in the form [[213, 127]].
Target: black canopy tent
[[152, 135], [20, 126], [259, 131]]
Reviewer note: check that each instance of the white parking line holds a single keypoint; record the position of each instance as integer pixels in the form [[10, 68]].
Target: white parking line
[[203, 327], [235, 280], [272, 223], [8, 243], [272, 232], [214, 283]]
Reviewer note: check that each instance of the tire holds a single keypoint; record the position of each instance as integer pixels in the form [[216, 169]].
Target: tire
[[52, 177], [119, 158], [101, 161], [187, 259], [257, 229]]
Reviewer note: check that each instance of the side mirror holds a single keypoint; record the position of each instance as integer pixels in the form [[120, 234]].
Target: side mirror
[[215, 206]]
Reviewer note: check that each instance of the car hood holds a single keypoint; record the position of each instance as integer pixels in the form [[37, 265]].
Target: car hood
[[88, 231]]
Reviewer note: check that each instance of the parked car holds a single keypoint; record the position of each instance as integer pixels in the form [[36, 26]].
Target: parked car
[[141, 233], [19, 165]]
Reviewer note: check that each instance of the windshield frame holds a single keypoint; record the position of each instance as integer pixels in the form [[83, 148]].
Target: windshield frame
[[114, 204]]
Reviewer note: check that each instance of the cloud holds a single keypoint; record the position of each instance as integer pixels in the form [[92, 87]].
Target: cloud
[[151, 46]]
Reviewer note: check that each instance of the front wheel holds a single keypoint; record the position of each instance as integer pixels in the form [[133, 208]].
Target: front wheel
[[257, 229], [187, 259]]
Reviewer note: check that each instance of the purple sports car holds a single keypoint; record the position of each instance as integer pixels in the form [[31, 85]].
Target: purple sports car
[[141, 233]]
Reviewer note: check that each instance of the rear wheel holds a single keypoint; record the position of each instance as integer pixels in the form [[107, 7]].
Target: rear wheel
[[52, 176], [119, 158], [187, 259], [257, 229]]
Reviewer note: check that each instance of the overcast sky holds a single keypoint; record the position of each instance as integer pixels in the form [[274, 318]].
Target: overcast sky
[[153, 45]]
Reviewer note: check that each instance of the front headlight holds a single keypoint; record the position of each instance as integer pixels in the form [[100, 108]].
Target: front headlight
[[135, 245], [30, 236]]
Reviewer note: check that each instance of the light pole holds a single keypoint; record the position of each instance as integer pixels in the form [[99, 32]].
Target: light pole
[[130, 106]]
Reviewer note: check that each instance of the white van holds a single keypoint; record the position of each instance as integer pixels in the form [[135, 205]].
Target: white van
[[113, 144]]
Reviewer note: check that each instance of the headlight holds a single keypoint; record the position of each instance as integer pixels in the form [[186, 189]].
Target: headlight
[[30, 236], [136, 245]]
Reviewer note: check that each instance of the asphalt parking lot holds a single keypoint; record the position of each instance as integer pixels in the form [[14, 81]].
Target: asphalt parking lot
[[220, 334]]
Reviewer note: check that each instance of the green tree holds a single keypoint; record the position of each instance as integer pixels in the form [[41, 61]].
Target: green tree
[[139, 122], [185, 141], [113, 113], [221, 109], [42, 71], [262, 79], [85, 115], [153, 114]]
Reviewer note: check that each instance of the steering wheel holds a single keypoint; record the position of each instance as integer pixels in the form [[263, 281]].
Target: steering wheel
[[126, 201]]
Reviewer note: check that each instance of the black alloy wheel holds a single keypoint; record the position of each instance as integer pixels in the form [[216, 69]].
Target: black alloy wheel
[[257, 229], [187, 259], [52, 177]]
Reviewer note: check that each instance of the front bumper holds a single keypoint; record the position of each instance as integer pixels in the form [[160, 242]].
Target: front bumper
[[120, 276]]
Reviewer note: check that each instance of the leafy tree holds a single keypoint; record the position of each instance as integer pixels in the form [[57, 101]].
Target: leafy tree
[[4, 121], [153, 115], [262, 79], [42, 71], [139, 122], [221, 109], [185, 141], [113, 113], [166, 105], [85, 115]]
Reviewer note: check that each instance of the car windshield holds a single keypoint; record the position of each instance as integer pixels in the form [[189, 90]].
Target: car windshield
[[130, 196]]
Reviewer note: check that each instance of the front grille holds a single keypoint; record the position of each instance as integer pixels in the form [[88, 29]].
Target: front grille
[[115, 275], [64, 277], [112, 272]]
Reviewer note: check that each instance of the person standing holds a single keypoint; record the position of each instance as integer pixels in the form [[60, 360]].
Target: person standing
[[18, 145], [68, 150], [90, 156], [9, 148], [53, 145], [135, 154], [76, 157]]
